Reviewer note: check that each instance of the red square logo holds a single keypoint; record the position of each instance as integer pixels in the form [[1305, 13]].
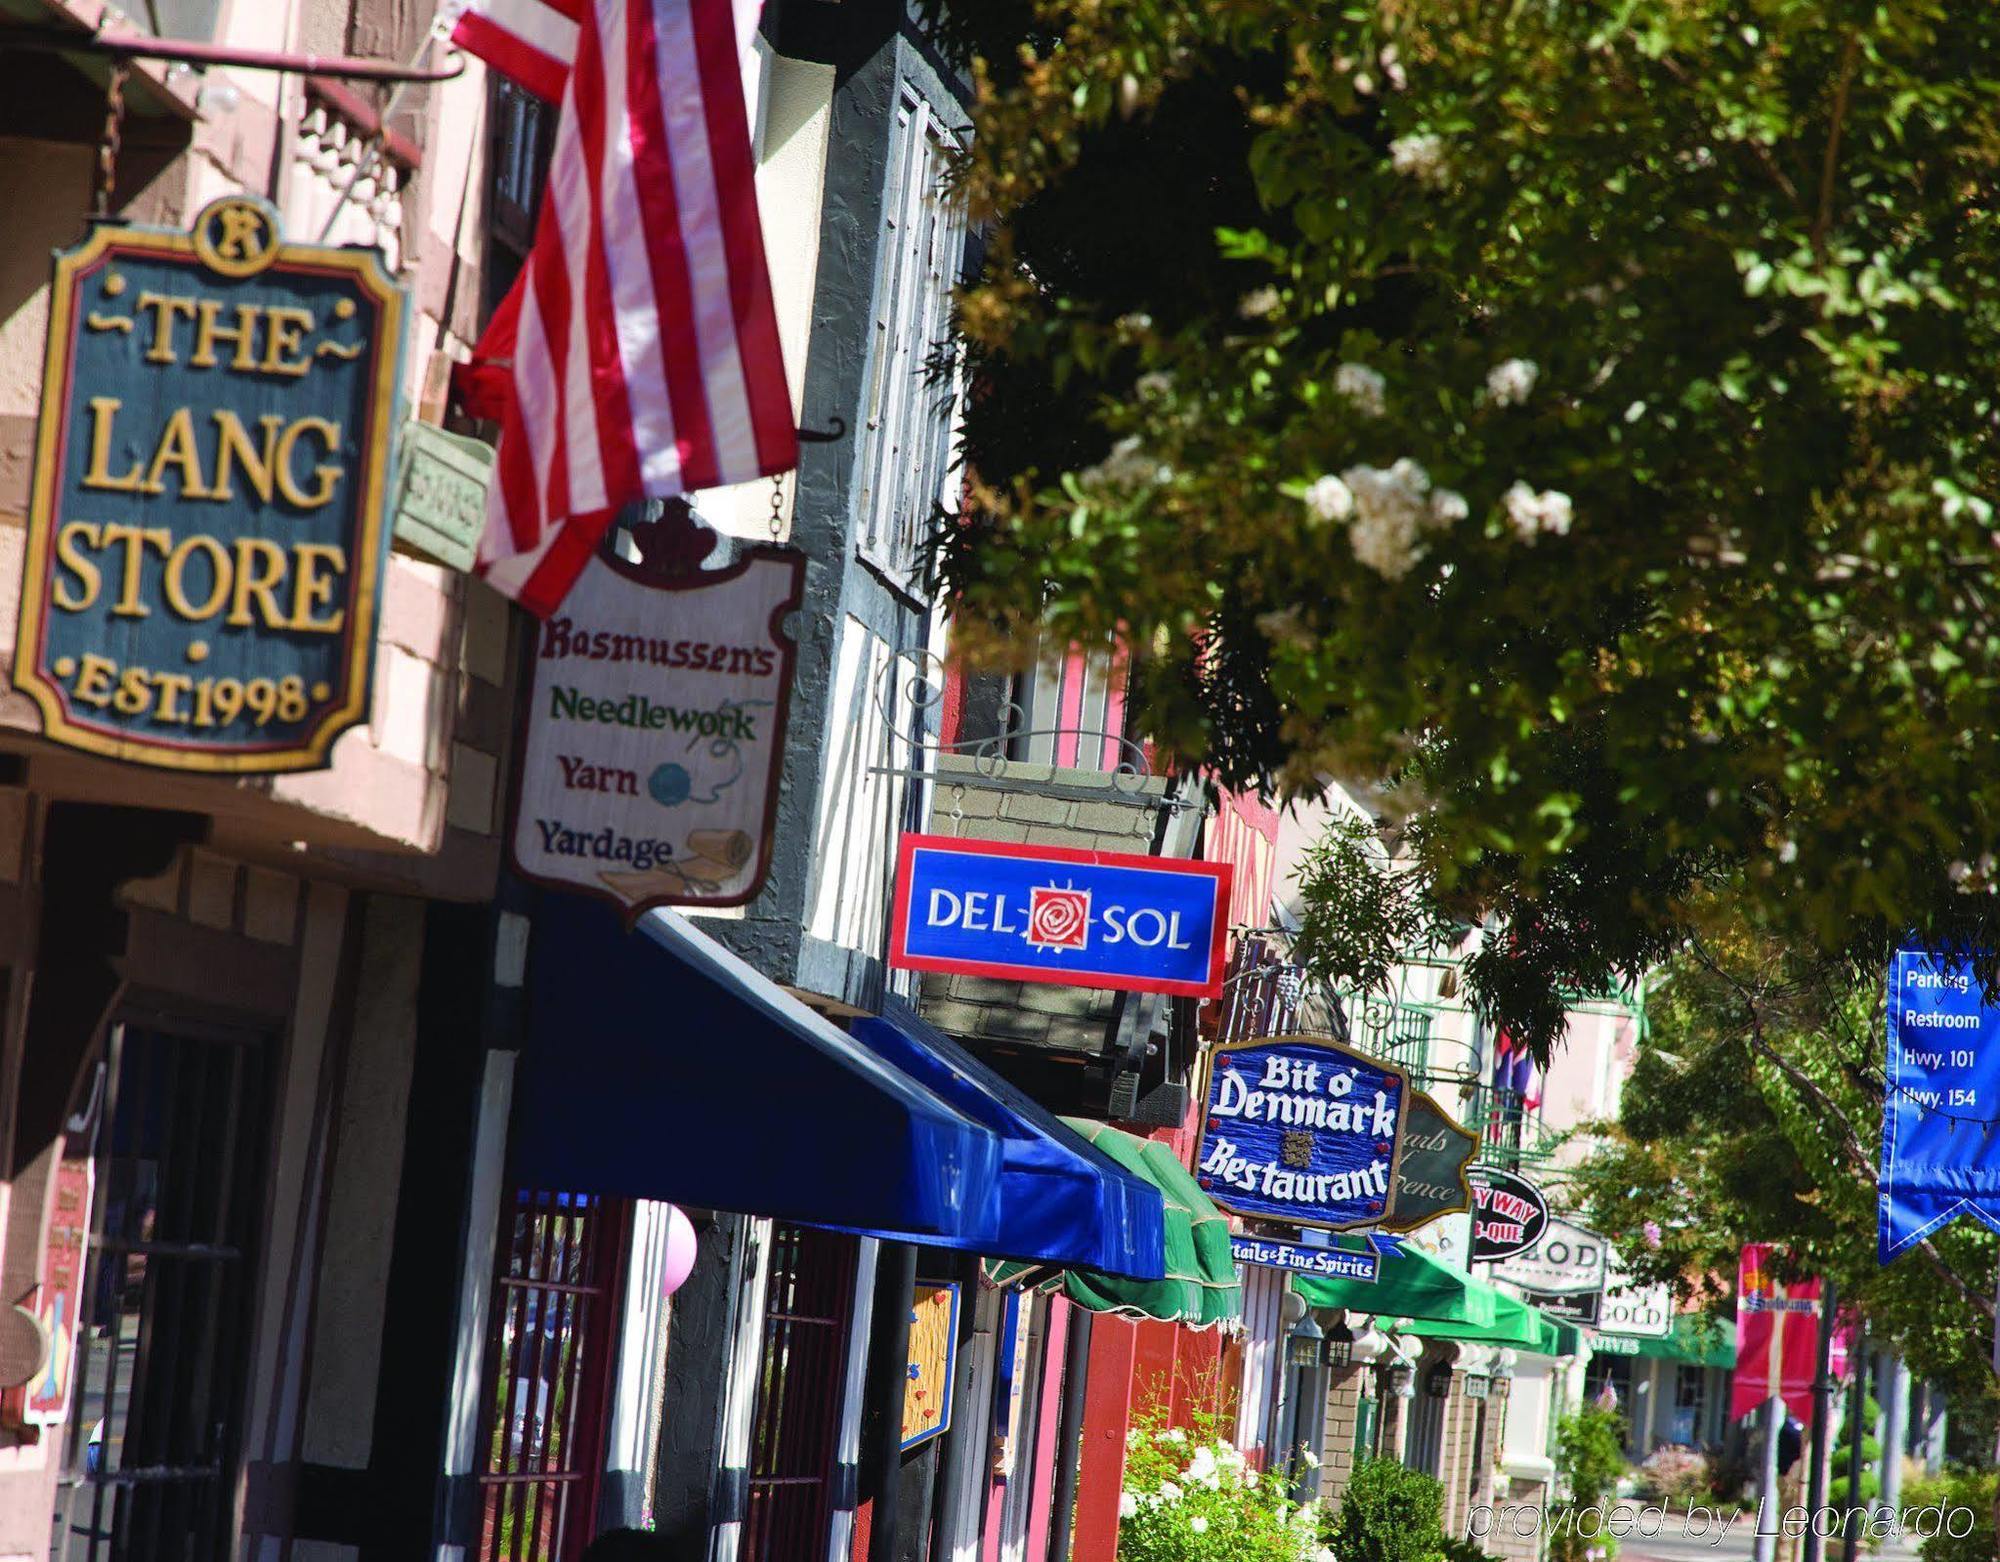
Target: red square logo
[[1058, 918]]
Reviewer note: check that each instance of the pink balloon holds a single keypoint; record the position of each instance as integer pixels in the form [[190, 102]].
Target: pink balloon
[[680, 1248]]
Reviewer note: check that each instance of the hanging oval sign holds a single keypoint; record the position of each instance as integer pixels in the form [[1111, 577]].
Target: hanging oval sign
[[1509, 1213]]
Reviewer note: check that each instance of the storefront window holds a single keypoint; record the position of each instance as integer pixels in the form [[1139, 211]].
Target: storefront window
[[152, 1435], [1690, 1388], [554, 1327], [798, 1393]]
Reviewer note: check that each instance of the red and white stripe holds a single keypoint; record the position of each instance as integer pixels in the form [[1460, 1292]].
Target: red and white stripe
[[532, 41], [645, 359]]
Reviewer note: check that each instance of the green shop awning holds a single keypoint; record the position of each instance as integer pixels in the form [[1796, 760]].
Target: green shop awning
[[1411, 1285], [1515, 1324], [1433, 1301], [1200, 1286], [1698, 1340]]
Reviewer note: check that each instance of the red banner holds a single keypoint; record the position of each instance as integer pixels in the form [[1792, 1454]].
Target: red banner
[[1777, 1337]]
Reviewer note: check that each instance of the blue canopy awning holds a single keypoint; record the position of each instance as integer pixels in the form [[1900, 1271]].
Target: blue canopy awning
[[661, 1066], [1062, 1200]]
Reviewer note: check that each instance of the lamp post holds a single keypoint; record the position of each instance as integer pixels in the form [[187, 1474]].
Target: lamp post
[[1304, 1348]]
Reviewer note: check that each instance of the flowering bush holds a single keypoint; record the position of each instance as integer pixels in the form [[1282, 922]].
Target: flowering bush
[[1674, 1475], [1190, 1497]]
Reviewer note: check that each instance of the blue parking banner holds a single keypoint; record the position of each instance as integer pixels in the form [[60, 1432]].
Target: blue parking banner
[[1058, 914], [1299, 1129], [1940, 1159], [1330, 1262]]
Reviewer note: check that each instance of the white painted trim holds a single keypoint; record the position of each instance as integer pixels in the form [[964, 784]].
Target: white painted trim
[[482, 1235], [627, 1447], [854, 1389], [746, 1360]]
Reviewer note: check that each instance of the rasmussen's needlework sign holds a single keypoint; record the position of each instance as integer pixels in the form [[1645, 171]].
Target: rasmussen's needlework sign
[[648, 770], [207, 534]]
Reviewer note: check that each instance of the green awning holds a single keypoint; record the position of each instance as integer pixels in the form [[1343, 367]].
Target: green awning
[[1412, 1285], [1699, 1340], [1515, 1324], [1200, 1287], [1432, 1301]]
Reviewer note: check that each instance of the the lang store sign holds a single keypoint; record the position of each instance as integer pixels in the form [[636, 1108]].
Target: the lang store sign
[[1060, 914], [206, 530]]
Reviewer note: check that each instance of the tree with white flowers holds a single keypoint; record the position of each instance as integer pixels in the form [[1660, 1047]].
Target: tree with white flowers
[[1576, 421]]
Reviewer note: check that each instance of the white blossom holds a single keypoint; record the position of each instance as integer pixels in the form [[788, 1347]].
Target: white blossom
[[1325, 1554], [1512, 382], [1311, 1459], [1789, 852], [1259, 304], [1419, 157], [1154, 386], [1390, 509], [1173, 1434], [1128, 466], [1169, 1492], [1534, 513], [1198, 1524], [1128, 1505], [1330, 499], [1363, 387], [1448, 506], [1364, 84], [1392, 67]]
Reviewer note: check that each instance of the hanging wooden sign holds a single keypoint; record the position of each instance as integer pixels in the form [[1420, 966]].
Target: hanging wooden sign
[[206, 531], [933, 1363], [648, 771]]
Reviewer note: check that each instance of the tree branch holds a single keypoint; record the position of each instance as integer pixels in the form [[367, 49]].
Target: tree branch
[[1830, 1110], [1823, 219]]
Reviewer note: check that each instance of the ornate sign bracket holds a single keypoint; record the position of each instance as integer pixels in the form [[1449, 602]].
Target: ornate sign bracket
[[915, 677]]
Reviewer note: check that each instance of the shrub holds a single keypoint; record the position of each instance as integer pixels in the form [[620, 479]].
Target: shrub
[[1590, 1458], [1977, 1490], [1388, 1514], [1190, 1497], [1672, 1475]]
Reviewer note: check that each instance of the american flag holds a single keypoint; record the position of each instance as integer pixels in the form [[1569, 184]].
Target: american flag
[[644, 354]]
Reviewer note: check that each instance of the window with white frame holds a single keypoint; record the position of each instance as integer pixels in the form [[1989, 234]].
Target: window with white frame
[[906, 468]]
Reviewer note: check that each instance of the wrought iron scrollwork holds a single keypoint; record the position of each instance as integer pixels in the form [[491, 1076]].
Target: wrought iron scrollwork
[[913, 682]]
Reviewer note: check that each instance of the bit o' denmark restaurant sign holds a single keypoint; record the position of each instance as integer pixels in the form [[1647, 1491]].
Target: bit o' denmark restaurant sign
[[206, 532], [1302, 1131]]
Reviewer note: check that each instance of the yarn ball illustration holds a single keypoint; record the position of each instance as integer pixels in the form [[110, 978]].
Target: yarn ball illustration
[[670, 785]]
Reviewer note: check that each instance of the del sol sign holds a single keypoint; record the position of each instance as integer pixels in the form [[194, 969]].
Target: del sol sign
[[1060, 914], [206, 530], [648, 770]]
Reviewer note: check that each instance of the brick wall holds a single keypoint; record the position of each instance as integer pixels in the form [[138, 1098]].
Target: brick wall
[[1343, 1410]]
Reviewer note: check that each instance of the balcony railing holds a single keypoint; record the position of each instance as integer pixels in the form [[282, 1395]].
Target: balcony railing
[[1511, 1133]]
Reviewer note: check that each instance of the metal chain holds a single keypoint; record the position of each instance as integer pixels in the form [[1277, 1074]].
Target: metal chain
[[777, 508], [113, 137]]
